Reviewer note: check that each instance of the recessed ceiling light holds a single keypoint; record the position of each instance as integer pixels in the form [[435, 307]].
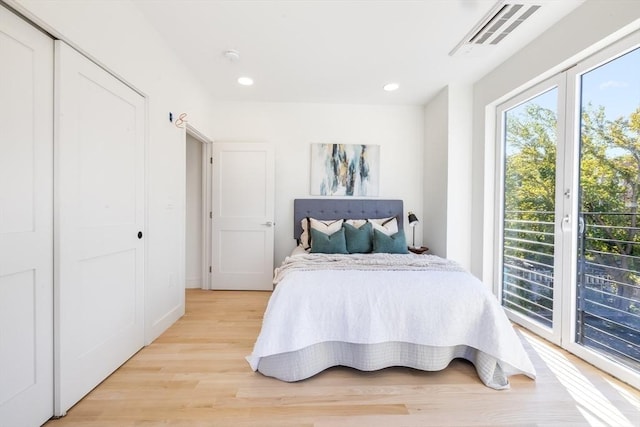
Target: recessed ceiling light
[[390, 87], [245, 81]]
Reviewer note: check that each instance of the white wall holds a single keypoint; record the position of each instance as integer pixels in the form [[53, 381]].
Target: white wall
[[589, 28], [292, 128], [133, 51], [447, 178], [460, 126], [193, 216], [436, 160], [115, 35]]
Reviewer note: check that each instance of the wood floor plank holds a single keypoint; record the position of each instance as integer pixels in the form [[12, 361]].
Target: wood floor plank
[[195, 375]]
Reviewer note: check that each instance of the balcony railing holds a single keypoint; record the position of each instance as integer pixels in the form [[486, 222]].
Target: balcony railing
[[528, 254], [608, 304]]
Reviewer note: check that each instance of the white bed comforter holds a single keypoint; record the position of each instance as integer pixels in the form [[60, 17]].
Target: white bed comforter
[[377, 298]]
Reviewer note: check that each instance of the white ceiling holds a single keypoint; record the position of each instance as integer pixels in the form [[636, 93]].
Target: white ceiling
[[335, 51]]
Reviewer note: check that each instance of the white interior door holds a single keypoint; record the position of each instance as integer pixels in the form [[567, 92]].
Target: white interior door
[[100, 214], [26, 223], [242, 216]]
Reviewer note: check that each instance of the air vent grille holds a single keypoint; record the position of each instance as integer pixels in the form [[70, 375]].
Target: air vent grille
[[503, 19]]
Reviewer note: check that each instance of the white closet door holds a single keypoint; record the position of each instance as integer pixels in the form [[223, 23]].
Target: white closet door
[[100, 214], [26, 223], [243, 193]]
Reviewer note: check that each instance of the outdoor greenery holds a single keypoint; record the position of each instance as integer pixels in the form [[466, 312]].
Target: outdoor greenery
[[544, 169], [530, 173], [609, 191], [611, 184], [609, 180]]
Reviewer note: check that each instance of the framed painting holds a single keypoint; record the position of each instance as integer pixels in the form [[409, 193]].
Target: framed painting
[[345, 169]]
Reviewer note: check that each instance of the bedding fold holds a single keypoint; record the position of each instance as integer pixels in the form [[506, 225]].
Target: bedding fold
[[370, 262]]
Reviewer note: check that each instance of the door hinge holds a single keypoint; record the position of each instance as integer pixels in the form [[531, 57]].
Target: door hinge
[[210, 214], [210, 271], [211, 160]]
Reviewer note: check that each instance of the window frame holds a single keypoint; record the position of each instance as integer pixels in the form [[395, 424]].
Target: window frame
[[555, 82], [608, 54], [564, 311]]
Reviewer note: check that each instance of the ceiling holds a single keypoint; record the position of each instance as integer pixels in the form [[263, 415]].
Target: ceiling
[[343, 52]]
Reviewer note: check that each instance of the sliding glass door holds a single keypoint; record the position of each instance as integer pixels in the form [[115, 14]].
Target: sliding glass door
[[530, 146], [608, 282], [569, 232]]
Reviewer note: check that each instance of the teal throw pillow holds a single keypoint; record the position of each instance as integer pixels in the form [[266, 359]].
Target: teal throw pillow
[[359, 240], [394, 244], [328, 244]]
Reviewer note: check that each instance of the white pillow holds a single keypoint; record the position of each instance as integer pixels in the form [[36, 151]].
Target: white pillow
[[357, 223], [388, 226], [324, 226], [305, 237]]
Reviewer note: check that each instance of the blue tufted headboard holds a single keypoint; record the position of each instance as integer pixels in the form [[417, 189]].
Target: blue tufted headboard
[[344, 209]]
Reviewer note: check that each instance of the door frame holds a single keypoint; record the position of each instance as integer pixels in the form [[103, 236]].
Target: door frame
[[567, 214], [205, 249], [553, 334], [573, 75], [207, 202]]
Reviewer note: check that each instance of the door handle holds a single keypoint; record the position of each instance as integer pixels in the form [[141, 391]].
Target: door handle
[[581, 225], [269, 224]]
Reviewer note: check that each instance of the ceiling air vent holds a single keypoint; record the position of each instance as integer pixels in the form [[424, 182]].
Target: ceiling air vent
[[501, 20]]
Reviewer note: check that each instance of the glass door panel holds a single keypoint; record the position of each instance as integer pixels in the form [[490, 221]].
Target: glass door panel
[[528, 238], [608, 283]]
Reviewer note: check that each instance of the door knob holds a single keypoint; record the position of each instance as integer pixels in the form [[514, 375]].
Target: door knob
[[139, 234]]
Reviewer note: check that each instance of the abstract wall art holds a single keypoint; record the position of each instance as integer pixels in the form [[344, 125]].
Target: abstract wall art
[[345, 169]]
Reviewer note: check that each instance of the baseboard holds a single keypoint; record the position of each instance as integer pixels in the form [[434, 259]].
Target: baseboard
[[157, 327]]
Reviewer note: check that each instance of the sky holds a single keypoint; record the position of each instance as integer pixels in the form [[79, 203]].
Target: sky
[[614, 85]]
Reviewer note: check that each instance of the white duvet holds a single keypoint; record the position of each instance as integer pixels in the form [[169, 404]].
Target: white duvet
[[415, 299]]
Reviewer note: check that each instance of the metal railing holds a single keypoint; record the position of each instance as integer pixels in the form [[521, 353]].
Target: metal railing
[[528, 255], [608, 304]]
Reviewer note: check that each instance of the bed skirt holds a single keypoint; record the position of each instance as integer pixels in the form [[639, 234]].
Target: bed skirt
[[309, 361]]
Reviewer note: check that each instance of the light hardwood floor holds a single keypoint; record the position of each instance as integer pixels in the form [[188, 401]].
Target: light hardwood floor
[[195, 374]]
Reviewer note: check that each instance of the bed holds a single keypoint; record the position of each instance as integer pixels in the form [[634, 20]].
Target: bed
[[371, 311]]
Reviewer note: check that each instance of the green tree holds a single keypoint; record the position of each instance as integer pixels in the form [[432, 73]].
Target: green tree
[[529, 202], [531, 169], [610, 186]]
